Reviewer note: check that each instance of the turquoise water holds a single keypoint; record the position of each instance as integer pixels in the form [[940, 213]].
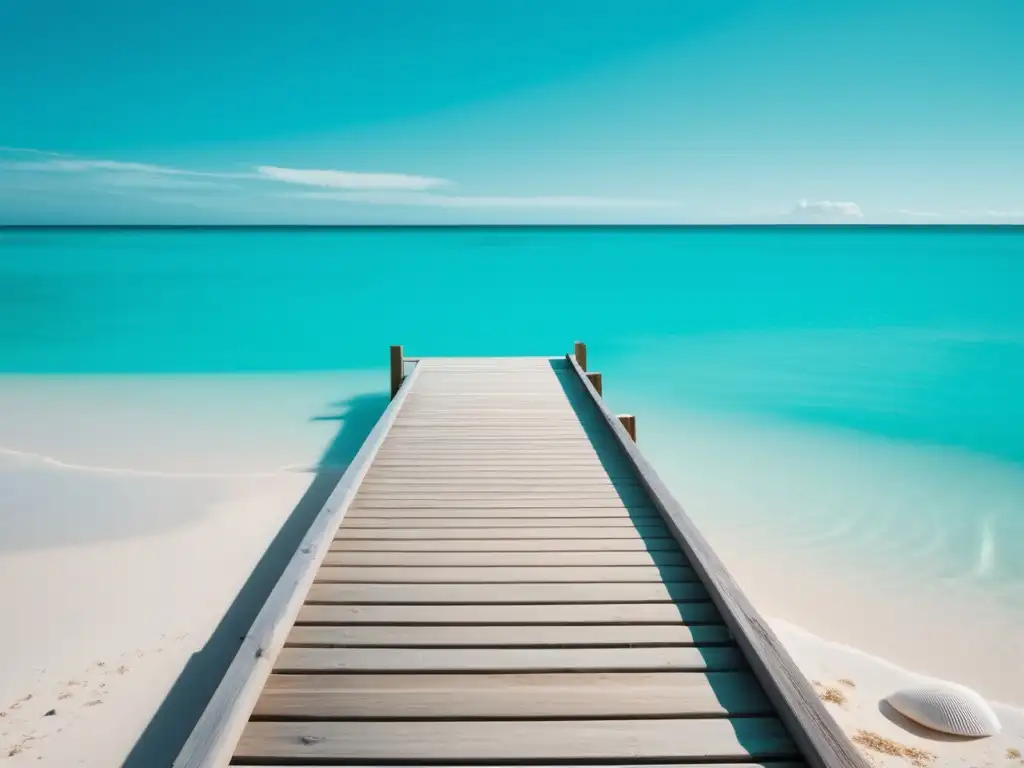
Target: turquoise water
[[853, 393], [916, 334]]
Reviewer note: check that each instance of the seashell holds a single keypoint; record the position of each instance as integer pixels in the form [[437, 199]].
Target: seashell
[[948, 708]]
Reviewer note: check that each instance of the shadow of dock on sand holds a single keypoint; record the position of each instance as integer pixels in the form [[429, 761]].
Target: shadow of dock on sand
[[170, 727]]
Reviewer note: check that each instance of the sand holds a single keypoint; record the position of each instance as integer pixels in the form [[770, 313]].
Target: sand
[[99, 633], [139, 532], [143, 520], [869, 541], [854, 686]]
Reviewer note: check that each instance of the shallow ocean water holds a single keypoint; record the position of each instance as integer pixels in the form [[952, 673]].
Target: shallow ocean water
[[820, 400]]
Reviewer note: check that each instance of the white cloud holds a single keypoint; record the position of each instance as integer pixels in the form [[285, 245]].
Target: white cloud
[[350, 179], [52, 162], [58, 165], [141, 180], [384, 189], [484, 201], [826, 211], [112, 172], [919, 214]]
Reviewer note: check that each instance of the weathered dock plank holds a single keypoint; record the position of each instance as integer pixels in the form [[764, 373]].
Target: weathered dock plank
[[504, 545], [463, 522], [501, 574], [530, 636], [566, 529], [713, 739], [501, 513], [557, 613], [683, 658], [490, 559], [525, 594], [512, 696]]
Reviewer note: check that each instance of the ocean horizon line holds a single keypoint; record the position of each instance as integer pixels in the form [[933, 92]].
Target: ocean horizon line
[[972, 227]]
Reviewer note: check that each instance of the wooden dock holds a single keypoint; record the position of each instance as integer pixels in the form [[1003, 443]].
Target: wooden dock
[[501, 578]]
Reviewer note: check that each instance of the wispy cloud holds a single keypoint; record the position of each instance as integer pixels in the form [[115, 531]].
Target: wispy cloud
[[1004, 215], [350, 179], [52, 162], [57, 165], [825, 211], [483, 201], [962, 216], [378, 189], [919, 214]]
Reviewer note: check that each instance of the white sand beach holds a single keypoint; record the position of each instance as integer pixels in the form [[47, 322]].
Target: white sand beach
[[854, 685], [878, 544], [136, 509], [136, 512]]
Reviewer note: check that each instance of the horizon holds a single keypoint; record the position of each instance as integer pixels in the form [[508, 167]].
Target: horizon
[[998, 227], [655, 113]]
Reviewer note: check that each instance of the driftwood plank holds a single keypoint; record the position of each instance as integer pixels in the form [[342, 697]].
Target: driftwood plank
[[582, 452], [490, 431], [596, 481], [660, 764], [505, 545], [583, 613], [466, 741], [639, 514], [527, 636], [682, 658], [530, 524], [528, 458], [455, 594], [442, 488], [523, 462], [526, 696], [519, 559], [494, 501], [501, 574], [500, 474], [350, 532]]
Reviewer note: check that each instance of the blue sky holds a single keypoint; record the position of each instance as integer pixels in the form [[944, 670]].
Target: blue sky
[[450, 111]]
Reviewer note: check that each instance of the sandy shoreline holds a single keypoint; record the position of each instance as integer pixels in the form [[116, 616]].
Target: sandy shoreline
[[143, 520], [135, 511], [865, 540], [854, 685]]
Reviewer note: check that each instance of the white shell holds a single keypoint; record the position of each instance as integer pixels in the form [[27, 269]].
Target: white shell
[[948, 708]]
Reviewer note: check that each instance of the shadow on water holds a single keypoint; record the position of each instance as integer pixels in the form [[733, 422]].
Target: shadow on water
[[732, 691], [170, 727]]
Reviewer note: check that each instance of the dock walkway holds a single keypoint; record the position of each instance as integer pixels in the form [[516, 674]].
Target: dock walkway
[[502, 579]]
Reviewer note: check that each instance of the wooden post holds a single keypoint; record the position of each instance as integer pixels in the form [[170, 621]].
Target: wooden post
[[629, 424], [397, 369], [581, 354], [595, 379]]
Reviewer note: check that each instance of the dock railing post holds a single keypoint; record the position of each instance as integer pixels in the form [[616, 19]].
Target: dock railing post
[[595, 380], [397, 369], [580, 352], [629, 424]]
